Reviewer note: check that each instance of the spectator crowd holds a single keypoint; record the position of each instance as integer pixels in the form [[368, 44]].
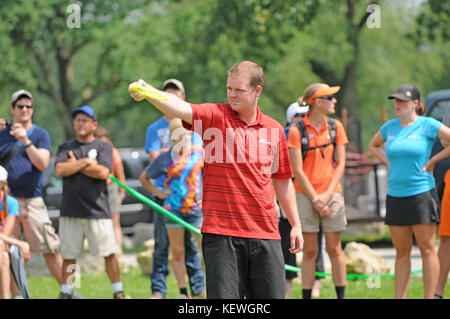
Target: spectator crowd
[[260, 192]]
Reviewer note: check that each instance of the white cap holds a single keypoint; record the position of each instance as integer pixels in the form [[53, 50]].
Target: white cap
[[295, 108], [18, 94], [3, 174]]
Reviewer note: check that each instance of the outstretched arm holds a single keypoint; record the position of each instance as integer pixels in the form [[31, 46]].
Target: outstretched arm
[[171, 105]]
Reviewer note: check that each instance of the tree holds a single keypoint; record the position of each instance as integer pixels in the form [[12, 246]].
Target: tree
[[432, 31], [434, 20], [264, 27], [50, 34], [352, 17]]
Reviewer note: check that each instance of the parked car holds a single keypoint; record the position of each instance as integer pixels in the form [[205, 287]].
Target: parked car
[[437, 105], [132, 211]]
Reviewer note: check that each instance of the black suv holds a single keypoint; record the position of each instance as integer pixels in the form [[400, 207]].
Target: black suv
[[132, 211]]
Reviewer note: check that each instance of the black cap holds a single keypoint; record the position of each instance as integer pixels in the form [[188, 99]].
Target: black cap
[[406, 92]]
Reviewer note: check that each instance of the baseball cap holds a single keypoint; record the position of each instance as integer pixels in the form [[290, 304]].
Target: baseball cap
[[89, 111], [406, 92], [323, 90], [19, 94], [294, 109], [3, 174], [173, 82]]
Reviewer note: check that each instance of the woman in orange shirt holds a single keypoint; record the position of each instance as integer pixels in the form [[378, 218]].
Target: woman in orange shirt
[[444, 234], [317, 184]]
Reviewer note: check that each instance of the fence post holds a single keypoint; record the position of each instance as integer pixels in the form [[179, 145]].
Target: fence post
[[344, 117]]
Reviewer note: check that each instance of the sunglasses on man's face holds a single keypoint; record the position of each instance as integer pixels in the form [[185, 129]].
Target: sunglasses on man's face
[[327, 97], [20, 106]]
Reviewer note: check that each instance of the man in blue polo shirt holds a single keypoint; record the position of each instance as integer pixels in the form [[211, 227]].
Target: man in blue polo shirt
[[32, 148]]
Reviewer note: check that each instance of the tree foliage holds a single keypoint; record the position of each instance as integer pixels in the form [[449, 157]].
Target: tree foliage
[[40, 31], [297, 43]]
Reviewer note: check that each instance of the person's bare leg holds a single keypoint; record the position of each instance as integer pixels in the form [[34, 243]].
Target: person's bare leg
[[309, 260], [334, 250], [67, 272], [444, 264], [402, 241], [316, 288], [4, 272], [14, 288], [176, 240], [425, 235], [112, 268], [54, 264], [117, 229]]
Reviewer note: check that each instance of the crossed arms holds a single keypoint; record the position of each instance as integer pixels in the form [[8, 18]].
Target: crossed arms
[[86, 166]]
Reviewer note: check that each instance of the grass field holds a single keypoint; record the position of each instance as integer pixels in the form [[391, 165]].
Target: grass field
[[137, 286], [97, 286]]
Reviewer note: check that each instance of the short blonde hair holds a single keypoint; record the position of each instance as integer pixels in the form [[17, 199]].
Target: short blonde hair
[[174, 125], [253, 70]]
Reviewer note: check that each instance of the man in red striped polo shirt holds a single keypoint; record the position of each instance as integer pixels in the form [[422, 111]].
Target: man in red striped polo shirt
[[246, 164]]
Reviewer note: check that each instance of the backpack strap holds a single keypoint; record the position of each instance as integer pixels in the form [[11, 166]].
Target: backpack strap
[[332, 131], [304, 137], [4, 161]]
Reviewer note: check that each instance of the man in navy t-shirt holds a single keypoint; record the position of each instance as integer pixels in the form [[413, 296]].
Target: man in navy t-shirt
[[31, 148]]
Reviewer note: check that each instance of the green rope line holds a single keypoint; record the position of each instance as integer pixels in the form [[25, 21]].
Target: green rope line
[[155, 206], [350, 276], [195, 230]]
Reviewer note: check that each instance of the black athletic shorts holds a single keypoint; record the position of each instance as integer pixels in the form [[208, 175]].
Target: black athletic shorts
[[413, 210], [238, 267]]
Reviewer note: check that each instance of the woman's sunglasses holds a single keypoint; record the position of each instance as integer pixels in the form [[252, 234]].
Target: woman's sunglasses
[[20, 106], [327, 97]]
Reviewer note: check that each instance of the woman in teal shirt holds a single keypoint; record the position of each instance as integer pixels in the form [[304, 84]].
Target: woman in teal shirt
[[412, 203]]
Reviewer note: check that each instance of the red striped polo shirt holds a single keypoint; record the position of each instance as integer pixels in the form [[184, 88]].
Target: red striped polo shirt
[[240, 162]]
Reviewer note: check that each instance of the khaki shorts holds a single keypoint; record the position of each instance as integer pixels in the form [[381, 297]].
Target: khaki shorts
[[36, 225], [310, 218], [99, 234]]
